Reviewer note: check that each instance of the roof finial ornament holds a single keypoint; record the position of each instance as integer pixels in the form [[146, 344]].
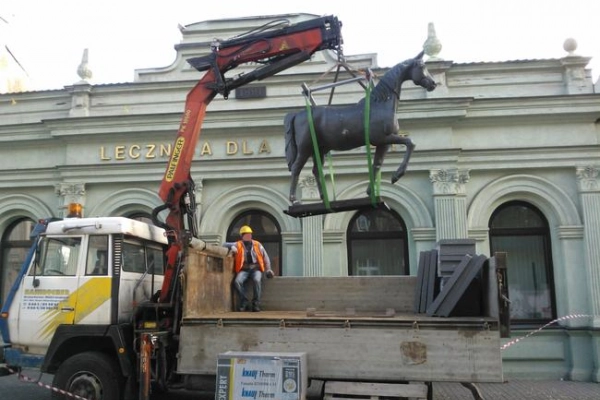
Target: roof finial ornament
[[432, 45], [570, 45], [84, 72]]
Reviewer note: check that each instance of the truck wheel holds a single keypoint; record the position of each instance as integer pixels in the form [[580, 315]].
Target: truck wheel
[[91, 375]]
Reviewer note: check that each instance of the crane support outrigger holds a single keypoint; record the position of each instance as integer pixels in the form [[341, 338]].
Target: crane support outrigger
[[277, 49]]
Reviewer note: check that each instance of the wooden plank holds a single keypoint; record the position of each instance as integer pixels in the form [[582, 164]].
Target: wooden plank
[[363, 293], [207, 284], [298, 318], [365, 353], [418, 390]]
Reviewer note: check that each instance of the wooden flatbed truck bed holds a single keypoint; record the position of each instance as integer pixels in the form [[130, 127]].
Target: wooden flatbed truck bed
[[351, 328]]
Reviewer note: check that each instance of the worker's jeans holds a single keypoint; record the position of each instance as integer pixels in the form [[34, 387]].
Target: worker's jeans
[[241, 278]]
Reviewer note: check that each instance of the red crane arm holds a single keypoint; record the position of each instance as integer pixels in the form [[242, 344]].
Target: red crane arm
[[276, 50]]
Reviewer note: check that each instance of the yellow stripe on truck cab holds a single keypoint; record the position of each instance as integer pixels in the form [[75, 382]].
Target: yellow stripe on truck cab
[[91, 295]]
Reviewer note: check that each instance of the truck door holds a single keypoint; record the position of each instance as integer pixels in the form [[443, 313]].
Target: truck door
[[49, 291], [141, 274]]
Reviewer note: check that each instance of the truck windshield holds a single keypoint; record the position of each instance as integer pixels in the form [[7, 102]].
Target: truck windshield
[[58, 256]]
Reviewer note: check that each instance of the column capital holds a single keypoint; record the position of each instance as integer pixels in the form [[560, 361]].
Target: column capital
[[449, 181], [588, 179], [309, 189]]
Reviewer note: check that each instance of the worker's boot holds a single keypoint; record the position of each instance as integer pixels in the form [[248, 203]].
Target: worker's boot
[[245, 307], [255, 307]]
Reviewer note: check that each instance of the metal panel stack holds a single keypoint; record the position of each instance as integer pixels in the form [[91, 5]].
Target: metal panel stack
[[449, 280], [427, 281], [451, 253]]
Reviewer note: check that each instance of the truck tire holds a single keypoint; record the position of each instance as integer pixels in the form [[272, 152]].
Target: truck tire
[[91, 375]]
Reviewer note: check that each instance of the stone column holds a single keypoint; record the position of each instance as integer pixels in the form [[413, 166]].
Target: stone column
[[588, 179], [69, 193], [450, 202], [312, 230]]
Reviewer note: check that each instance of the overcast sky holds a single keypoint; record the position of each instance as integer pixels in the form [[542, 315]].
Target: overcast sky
[[48, 37]]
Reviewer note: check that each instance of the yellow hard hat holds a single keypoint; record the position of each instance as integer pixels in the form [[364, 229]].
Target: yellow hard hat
[[245, 229]]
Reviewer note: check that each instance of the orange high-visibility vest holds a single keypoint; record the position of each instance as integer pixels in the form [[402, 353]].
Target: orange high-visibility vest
[[240, 256]]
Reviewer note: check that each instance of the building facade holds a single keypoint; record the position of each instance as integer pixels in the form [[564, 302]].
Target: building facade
[[508, 154]]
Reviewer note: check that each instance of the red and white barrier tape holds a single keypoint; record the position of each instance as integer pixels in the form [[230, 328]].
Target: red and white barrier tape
[[25, 378], [566, 317]]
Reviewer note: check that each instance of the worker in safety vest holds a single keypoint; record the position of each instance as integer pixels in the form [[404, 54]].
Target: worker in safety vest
[[251, 261]]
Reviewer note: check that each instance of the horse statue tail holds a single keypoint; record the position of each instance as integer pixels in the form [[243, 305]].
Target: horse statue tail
[[291, 149]]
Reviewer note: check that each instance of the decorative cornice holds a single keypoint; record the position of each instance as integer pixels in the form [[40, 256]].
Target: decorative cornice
[[449, 181], [70, 189], [588, 179]]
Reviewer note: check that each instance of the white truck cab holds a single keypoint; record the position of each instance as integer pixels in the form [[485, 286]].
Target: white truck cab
[[82, 272]]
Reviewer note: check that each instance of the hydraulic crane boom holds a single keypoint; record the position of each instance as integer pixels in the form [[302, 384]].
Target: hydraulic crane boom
[[277, 49]]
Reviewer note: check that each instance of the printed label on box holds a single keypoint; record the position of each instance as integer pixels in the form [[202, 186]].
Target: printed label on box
[[256, 378]]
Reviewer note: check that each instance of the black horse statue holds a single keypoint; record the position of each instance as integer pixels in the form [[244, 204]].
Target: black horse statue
[[343, 128]]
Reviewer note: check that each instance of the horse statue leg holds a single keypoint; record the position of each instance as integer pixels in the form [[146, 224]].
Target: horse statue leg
[[410, 146], [296, 168], [315, 172], [380, 152]]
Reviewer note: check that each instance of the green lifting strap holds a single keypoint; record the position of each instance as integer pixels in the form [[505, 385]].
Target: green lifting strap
[[317, 155], [374, 182]]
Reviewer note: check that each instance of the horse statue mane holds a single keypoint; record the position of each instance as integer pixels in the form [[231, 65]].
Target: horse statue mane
[[389, 84], [343, 128]]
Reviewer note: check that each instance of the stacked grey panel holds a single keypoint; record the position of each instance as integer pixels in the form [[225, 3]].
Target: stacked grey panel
[[464, 284], [449, 280], [451, 252], [426, 280]]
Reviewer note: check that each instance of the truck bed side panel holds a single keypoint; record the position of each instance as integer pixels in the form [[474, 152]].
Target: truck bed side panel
[[357, 353]]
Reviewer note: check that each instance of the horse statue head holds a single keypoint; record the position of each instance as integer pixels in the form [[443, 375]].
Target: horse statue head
[[413, 69], [420, 76]]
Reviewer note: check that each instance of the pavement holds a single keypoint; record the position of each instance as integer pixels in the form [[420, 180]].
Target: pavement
[[520, 389], [509, 390], [512, 390]]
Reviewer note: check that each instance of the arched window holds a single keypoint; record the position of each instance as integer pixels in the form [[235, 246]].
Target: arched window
[[521, 230], [265, 229], [377, 244], [15, 245]]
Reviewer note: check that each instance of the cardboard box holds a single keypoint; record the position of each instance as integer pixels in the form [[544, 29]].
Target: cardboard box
[[260, 375]]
